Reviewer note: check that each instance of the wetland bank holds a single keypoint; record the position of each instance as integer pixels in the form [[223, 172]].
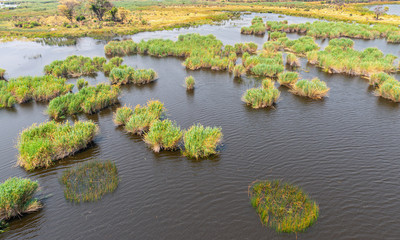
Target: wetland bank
[[341, 150]]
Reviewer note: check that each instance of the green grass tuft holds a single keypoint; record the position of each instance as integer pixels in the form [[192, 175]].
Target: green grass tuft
[[163, 135], [190, 82], [288, 78], [201, 142], [315, 89], [261, 98], [390, 89]]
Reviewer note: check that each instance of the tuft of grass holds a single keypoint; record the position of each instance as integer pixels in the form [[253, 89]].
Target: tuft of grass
[[122, 115], [257, 27], [2, 72], [276, 35], [261, 98], [390, 89], [292, 60], [163, 135], [288, 78], [40, 145], [239, 70], [113, 63], [189, 81], [315, 89], [120, 48], [283, 207], [89, 181], [16, 198], [81, 83], [377, 79], [6, 98], [200, 141], [125, 74], [75, 66], [267, 84]]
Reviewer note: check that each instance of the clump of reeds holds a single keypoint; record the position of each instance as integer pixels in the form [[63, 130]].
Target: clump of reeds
[[288, 78], [122, 115], [75, 66], [394, 38], [40, 145], [2, 72], [300, 46], [241, 48], [17, 198], [269, 63], [88, 100], [283, 207], [239, 70], [292, 60], [6, 98], [114, 62], [90, 181], [81, 83], [200, 141], [261, 97], [315, 89], [377, 79], [189, 81], [120, 48], [390, 89], [275, 35], [126, 74], [163, 135], [257, 27], [267, 84]]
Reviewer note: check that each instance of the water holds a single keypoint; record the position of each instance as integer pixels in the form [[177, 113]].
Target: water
[[342, 150], [394, 9]]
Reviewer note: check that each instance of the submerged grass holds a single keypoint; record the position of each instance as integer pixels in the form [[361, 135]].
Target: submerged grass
[[190, 82], [163, 135], [283, 207], [40, 145], [90, 181], [315, 89], [201, 141]]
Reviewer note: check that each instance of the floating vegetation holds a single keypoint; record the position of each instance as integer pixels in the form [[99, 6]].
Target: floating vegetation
[[40, 145], [288, 78], [24, 89], [257, 27], [189, 81], [88, 100], [339, 57], [81, 83], [16, 198], [90, 181], [75, 66], [163, 135], [377, 79], [201, 141], [125, 74], [120, 48], [292, 60], [315, 89], [2, 72], [283, 207], [390, 89]]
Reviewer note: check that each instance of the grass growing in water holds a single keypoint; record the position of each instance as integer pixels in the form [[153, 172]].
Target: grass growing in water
[[120, 48], [40, 145], [6, 98], [239, 70], [81, 83], [292, 60], [88, 100], [377, 79], [75, 66], [201, 141], [90, 181], [257, 27], [125, 74], [260, 97], [122, 115], [163, 135], [2, 72], [189, 81], [16, 198], [390, 89], [315, 89], [288, 78], [283, 207]]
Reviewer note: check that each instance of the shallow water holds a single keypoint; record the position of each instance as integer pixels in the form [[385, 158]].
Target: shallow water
[[342, 150], [394, 9]]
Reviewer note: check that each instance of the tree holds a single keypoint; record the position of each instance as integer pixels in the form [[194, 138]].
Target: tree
[[113, 13], [99, 7], [67, 8], [379, 11]]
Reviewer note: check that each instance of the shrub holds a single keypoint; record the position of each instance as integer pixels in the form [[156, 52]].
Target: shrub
[[315, 89], [189, 82], [81, 83], [89, 181], [284, 207], [39, 146], [288, 78], [16, 197], [260, 98], [201, 141], [163, 135], [390, 89], [122, 115]]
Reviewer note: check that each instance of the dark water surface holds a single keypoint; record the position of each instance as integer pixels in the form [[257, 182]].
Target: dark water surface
[[343, 151]]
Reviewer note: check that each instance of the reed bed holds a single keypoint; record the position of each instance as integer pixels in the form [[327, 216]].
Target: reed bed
[[122, 115], [6, 98], [276, 35], [267, 64], [120, 48], [40, 145], [261, 97], [283, 207], [90, 181], [88, 100], [377, 79], [239, 70], [17, 198], [288, 78], [75, 66], [300, 46], [125, 74], [81, 83], [240, 48], [390, 89], [201, 142], [315, 89], [190, 82], [292, 60], [163, 135], [110, 65], [257, 27], [394, 37]]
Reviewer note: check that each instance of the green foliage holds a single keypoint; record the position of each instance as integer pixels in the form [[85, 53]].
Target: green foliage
[[201, 141], [288, 78], [89, 181], [239, 70], [16, 198], [267, 84], [120, 48], [126, 74], [275, 35], [190, 82], [2, 72], [315, 89], [6, 98], [163, 135], [122, 115], [377, 79], [42, 144], [267, 63], [264, 69], [261, 97], [113, 63], [390, 89], [394, 37], [87, 100], [257, 27], [300, 46], [75, 66], [284, 207], [81, 83], [292, 60], [241, 48]]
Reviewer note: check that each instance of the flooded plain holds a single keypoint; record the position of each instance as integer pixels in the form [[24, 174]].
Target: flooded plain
[[342, 150]]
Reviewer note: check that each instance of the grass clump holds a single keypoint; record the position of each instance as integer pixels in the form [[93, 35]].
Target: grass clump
[[315, 89], [75, 66], [6, 98], [260, 97], [288, 78], [189, 81], [122, 115], [90, 181], [201, 141], [275, 35], [81, 83], [239, 70], [88, 100], [40, 145], [283, 207], [292, 60], [120, 48], [2, 72], [257, 27], [269, 63], [377, 79], [163, 135], [394, 38], [390, 89], [16, 198], [300, 46], [125, 74]]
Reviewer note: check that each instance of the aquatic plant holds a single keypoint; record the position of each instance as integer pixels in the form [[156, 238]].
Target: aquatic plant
[[239, 70], [6, 98], [200, 141], [283, 207], [75, 66], [377, 79], [240, 48], [315, 89], [389, 89], [292, 60], [120, 48], [267, 84], [163, 135], [275, 35], [122, 115], [2, 72], [269, 63], [114, 62], [90, 181], [260, 97], [16, 198], [189, 81], [88, 100], [40, 145], [257, 27], [126, 74], [300, 46], [288, 78], [81, 83], [394, 38], [264, 69]]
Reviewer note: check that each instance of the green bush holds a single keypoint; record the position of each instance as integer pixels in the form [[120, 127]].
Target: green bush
[[163, 135], [201, 141]]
